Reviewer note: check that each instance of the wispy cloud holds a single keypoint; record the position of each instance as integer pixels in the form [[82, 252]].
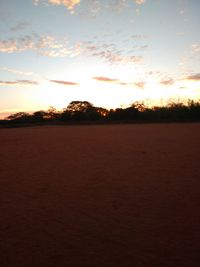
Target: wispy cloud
[[182, 12], [195, 48], [53, 46], [8, 46], [18, 83], [19, 26], [140, 2], [44, 45], [119, 82], [120, 5], [111, 54], [64, 82], [139, 36], [193, 77], [114, 53], [15, 71], [17, 45], [167, 82], [93, 7], [140, 84], [69, 4], [105, 79]]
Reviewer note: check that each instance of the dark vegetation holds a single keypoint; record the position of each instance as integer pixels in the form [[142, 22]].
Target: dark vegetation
[[85, 112]]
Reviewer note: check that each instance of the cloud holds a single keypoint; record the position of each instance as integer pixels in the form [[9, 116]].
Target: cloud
[[26, 73], [117, 81], [51, 46], [93, 7], [8, 46], [167, 81], [124, 83], [69, 4], [64, 82], [182, 11], [116, 57], [139, 36], [17, 45], [18, 83], [19, 26], [140, 2], [140, 84], [194, 77], [113, 53], [105, 79], [36, 2], [44, 45], [195, 48], [119, 5]]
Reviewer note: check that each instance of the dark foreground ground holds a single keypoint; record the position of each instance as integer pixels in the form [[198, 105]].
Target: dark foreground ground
[[120, 195]]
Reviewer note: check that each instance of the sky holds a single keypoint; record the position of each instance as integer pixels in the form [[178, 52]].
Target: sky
[[110, 53]]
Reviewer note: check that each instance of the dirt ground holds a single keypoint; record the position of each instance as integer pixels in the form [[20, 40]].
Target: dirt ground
[[109, 195]]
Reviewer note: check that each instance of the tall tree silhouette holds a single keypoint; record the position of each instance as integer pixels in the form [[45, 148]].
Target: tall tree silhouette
[[83, 110]]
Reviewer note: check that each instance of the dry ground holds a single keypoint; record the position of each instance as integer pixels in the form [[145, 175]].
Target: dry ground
[[120, 195]]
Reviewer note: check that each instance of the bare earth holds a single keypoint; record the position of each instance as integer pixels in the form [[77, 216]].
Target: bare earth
[[110, 195]]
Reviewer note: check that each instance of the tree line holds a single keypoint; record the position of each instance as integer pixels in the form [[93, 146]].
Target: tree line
[[84, 111]]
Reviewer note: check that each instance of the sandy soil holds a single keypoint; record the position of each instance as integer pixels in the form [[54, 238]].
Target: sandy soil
[[120, 195]]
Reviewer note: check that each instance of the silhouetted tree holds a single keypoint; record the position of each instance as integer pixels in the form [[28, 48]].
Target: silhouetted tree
[[130, 113], [52, 114], [102, 111], [81, 106], [19, 117], [194, 109], [65, 115], [85, 111], [39, 116]]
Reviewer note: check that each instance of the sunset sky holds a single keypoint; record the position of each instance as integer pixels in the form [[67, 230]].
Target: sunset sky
[[110, 53]]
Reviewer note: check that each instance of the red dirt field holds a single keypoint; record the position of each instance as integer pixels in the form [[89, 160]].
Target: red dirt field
[[109, 195]]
